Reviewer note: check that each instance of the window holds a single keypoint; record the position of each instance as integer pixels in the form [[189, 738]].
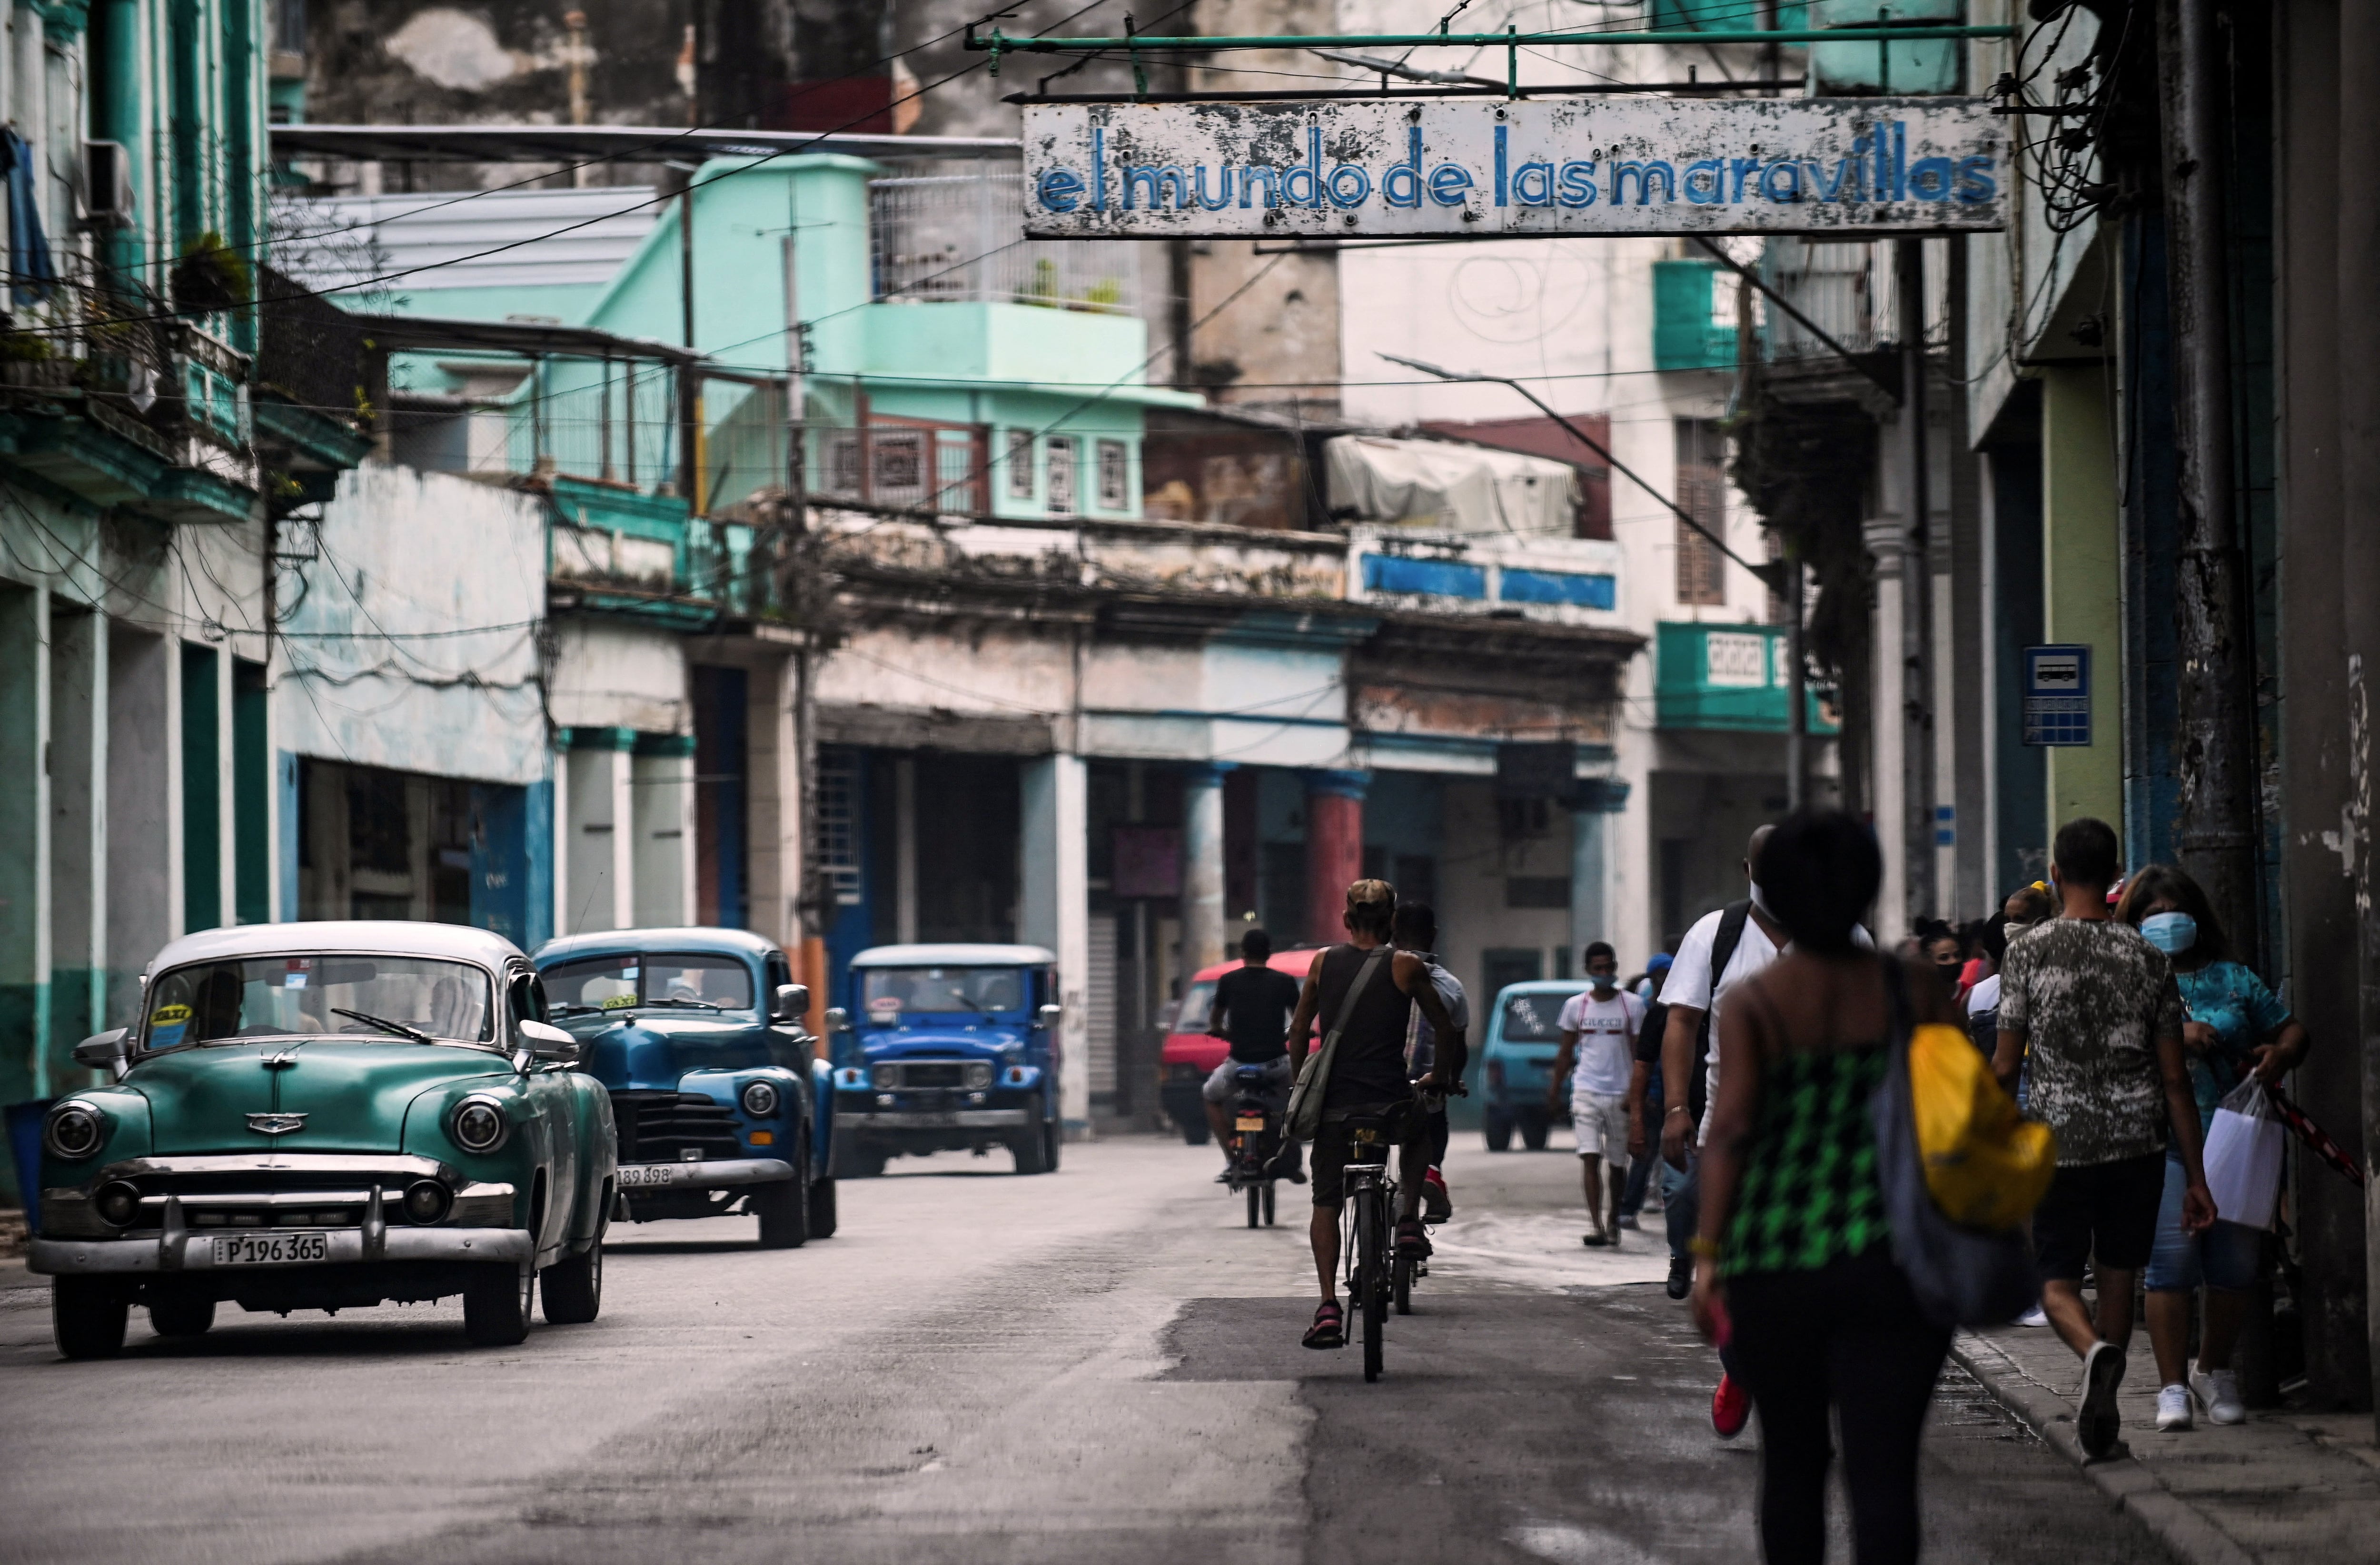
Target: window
[[1020, 464], [1115, 475], [890, 993], [1534, 1018], [1701, 494], [839, 826], [319, 996], [1062, 474], [689, 980]]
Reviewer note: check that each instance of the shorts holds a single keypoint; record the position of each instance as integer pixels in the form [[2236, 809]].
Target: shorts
[[1329, 1169], [2227, 1255], [2107, 1211], [1602, 1126], [1220, 1087]]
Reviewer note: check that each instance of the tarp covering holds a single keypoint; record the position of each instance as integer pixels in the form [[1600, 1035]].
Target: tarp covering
[[1449, 488]]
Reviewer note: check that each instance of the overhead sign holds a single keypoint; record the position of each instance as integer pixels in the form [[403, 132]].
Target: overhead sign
[[1470, 168], [2057, 695]]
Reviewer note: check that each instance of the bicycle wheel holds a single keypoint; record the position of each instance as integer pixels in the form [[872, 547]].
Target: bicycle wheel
[[1371, 1271], [1403, 1283]]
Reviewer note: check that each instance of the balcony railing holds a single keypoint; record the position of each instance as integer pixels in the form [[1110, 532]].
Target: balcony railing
[[935, 237]]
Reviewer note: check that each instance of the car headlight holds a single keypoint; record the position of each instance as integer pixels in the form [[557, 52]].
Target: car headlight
[[978, 1076], [426, 1201], [118, 1202], [759, 1099], [480, 1126], [74, 1132], [884, 1079]]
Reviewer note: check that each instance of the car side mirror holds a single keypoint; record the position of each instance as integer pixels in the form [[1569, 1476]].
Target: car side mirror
[[1048, 1015], [793, 1002], [546, 1041], [838, 1020], [104, 1052]]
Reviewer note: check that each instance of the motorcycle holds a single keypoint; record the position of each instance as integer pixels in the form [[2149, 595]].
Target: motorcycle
[[1255, 1142]]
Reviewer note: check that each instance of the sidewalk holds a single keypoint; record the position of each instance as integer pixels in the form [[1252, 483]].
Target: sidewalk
[[2281, 1487]]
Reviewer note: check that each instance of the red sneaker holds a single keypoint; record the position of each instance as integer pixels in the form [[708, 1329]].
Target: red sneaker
[[1730, 1408], [1436, 1204]]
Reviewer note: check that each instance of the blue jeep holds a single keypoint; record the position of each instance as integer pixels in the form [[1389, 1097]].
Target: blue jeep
[[720, 1102], [947, 1048], [1523, 1036]]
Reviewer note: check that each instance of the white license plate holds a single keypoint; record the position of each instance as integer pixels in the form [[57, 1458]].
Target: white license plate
[[272, 1249], [637, 1174]]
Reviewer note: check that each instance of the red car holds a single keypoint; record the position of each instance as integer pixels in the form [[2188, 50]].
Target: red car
[[1191, 1055]]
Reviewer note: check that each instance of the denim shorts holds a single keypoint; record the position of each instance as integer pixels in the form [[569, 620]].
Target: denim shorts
[[2226, 1256]]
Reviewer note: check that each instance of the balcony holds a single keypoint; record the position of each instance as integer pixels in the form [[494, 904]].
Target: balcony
[[1728, 679], [1556, 580]]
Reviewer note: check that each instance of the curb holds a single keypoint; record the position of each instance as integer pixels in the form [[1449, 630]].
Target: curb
[[2185, 1531]]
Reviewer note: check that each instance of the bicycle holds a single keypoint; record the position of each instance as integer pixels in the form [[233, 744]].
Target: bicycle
[[1255, 1125], [1371, 1207], [1406, 1270]]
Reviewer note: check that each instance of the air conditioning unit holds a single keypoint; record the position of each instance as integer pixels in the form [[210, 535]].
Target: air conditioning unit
[[108, 184]]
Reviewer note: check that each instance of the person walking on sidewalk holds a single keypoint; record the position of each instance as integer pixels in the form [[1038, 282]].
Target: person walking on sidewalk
[[1598, 1038], [1722, 949], [2096, 1005], [1645, 1098], [2233, 1026], [1793, 1247]]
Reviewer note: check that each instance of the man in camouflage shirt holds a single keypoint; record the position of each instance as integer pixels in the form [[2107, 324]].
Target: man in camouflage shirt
[[2096, 1007]]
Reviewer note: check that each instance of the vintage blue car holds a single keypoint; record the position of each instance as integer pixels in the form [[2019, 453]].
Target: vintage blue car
[[948, 1047], [720, 1099], [1523, 1036]]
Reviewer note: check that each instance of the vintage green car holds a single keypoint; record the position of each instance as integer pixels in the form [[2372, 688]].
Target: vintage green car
[[327, 1116]]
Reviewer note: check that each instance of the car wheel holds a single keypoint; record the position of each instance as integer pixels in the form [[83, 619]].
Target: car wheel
[[1499, 1131], [823, 1208], [784, 1209], [572, 1290], [87, 1317], [867, 1165], [1195, 1132], [495, 1303], [1533, 1126], [180, 1315], [1053, 1143], [1032, 1149]]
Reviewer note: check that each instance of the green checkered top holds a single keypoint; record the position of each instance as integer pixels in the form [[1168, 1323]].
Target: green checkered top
[[1809, 1193]]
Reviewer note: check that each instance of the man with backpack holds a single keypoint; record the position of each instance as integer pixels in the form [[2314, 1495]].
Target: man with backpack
[[1724, 948]]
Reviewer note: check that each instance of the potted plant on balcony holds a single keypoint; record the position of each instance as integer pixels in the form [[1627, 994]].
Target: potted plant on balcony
[[210, 277], [32, 360]]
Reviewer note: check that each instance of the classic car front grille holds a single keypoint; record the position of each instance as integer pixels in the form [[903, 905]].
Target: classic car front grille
[[662, 1127], [933, 1072]]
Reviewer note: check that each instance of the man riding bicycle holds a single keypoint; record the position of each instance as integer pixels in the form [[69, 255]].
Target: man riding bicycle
[[1366, 999], [1252, 1006]]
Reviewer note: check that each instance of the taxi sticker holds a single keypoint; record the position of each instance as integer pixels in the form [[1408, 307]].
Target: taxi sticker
[[295, 977], [618, 1001], [167, 1026]]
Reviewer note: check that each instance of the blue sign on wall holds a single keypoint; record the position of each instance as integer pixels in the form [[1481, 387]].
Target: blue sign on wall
[[2057, 695]]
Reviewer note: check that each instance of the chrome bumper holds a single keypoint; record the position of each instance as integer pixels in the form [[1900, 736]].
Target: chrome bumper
[[954, 1119], [637, 1178], [195, 1251]]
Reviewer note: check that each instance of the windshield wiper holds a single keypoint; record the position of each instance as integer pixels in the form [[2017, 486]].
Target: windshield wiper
[[385, 1025], [676, 999]]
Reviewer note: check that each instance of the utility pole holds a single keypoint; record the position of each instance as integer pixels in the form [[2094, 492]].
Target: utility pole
[[690, 399], [1916, 649], [2216, 835]]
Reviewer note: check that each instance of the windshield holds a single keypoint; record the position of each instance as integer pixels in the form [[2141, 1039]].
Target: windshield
[[680, 980], [1534, 1018], [890, 993], [1198, 1004], [319, 996]]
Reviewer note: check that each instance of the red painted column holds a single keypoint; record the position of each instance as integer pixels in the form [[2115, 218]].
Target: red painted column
[[1334, 848]]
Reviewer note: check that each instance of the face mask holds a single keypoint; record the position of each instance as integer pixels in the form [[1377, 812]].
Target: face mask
[[2170, 932]]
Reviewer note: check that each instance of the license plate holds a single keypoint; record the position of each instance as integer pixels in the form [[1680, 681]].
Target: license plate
[[272, 1249], [637, 1174], [1249, 1122], [934, 1121]]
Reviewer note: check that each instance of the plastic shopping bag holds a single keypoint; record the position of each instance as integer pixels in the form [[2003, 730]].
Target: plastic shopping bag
[[2243, 1156]]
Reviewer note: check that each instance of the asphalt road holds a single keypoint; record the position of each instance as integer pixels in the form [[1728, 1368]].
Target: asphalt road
[[1098, 1365]]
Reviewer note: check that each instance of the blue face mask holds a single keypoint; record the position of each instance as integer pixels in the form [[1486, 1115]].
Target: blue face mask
[[2172, 933]]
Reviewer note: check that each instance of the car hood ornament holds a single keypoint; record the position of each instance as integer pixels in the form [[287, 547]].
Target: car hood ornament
[[276, 1124]]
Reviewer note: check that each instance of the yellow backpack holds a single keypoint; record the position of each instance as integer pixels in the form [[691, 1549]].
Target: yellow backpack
[[1987, 1166]]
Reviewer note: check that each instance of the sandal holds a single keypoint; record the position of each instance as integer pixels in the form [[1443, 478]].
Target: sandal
[[1329, 1327]]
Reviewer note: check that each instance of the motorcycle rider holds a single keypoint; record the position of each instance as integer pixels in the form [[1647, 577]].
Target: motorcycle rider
[[1252, 1006]]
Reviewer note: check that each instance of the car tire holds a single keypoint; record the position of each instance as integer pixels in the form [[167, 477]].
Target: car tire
[[1497, 1128], [1053, 1143], [784, 1212], [1032, 1148], [87, 1317], [866, 1165], [496, 1305], [181, 1314], [823, 1213], [1195, 1133], [1534, 1126], [571, 1290]]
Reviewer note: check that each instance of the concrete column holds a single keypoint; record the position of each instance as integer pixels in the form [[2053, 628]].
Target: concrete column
[[77, 827], [25, 951], [561, 835], [621, 776], [1204, 933], [1597, 800], [143, 864], [1055, 911], [905, 849], [2081, 567], [1334, 848], [663, 844], [1887, 769], [600, 847]]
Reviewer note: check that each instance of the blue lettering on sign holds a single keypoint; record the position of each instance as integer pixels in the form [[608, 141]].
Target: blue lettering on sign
[[1876, 169]]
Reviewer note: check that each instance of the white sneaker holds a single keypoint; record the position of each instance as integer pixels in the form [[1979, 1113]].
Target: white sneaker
[[2033, 1316], [2173, 1408], [2219, 1390]]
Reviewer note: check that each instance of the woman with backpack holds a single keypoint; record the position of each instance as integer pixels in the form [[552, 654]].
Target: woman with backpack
[[1794, 1252]]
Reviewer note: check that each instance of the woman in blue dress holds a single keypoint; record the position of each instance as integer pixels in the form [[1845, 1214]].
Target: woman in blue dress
[[2235, 1027]]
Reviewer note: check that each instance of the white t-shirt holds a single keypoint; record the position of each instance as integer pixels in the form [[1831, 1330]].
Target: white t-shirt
[[1607, 1032], [1985, 996], [1421, 1038], [1689, 983]]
